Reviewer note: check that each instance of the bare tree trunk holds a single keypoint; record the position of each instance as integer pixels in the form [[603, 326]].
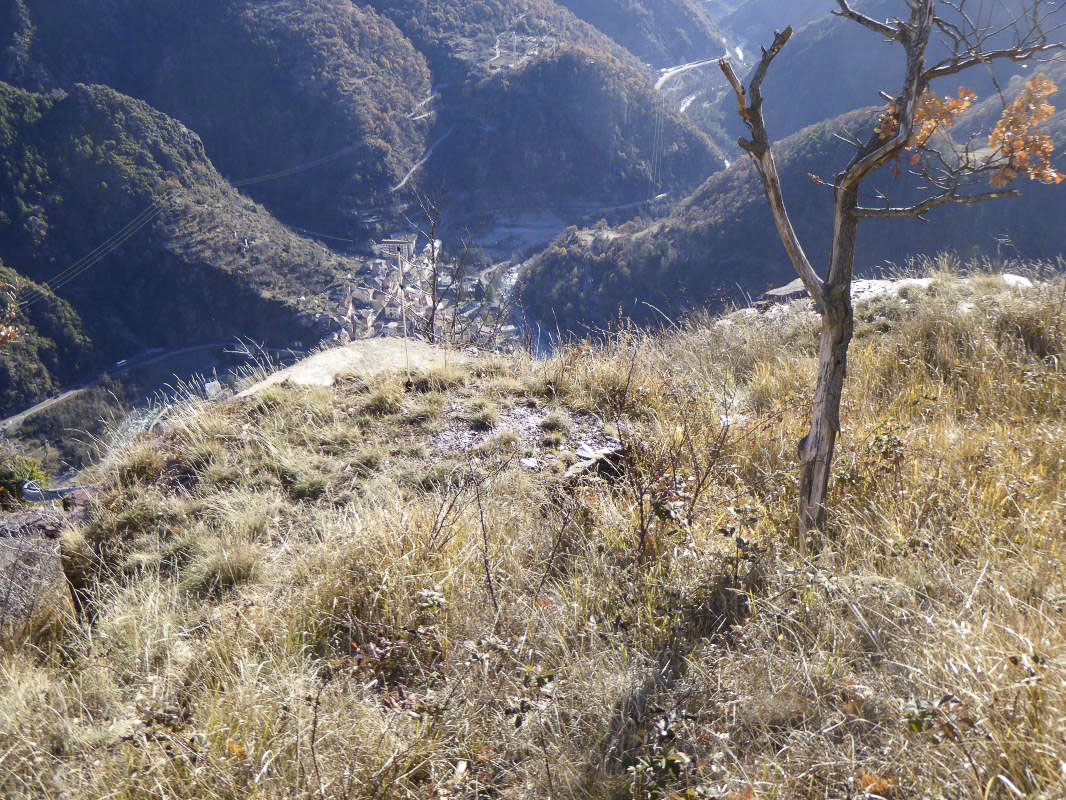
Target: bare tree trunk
[[816, 448], [838, 325]]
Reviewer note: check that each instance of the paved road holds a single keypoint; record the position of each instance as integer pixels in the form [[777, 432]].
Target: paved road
[[672, 72], [138, 362]]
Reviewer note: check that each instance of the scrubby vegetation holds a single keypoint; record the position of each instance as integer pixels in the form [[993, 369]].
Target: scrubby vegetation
[[70, 435], [299, 595]]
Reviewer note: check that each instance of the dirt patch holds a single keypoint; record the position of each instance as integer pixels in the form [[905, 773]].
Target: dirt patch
[[527, 425]]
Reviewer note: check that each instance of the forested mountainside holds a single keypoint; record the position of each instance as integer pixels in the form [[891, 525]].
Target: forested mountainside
[[720, 243], [349, 98], [660, 32], [462, 38], [185, 257], [267, 86], [623, 146], [50, 351], [755, 21]]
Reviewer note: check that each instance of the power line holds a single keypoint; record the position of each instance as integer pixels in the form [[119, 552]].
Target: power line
[[93, 257], [148, 214]]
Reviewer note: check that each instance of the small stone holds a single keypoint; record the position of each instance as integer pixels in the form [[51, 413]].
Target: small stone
[[530, 463]]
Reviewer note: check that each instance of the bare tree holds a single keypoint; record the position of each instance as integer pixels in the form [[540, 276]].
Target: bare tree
[[8, 331], [951, 173], [445, 282]]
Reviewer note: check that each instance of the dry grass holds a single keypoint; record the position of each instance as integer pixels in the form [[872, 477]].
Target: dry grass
[[494, 633]]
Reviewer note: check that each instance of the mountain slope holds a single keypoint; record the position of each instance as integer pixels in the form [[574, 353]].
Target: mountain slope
[[755, 21], [720, 243], [269, 86], [50, 351], [660, 32], [613, 141], [185, 257], [464, 39], [347, 107]]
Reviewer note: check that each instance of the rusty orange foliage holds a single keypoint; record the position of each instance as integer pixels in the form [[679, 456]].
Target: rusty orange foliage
[[1026, 150], [876, 785], [933, 113], [237, 749], [938, 112], [1018, 146]]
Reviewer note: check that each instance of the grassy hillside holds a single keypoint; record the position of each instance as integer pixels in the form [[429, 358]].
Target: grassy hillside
[[268, 86], [201, 262], [322, 593], [660, 32], [720, 243]]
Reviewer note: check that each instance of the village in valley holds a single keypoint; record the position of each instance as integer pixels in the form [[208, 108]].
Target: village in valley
[[402, 290]]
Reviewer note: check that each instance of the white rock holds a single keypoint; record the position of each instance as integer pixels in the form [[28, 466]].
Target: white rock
[[1017, 281], [966, 308], [530, 463], [212, 389]]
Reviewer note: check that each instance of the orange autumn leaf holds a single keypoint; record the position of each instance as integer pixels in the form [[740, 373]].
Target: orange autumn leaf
[[932, 114], [875, 784], [1016, 140], [236, 748]]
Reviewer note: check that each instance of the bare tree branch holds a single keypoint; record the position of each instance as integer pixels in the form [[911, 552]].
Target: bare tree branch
[[956, 65], [919, 210], [882, 28], [758, 147]]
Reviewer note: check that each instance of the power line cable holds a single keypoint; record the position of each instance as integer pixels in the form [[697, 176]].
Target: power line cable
[[102, 249], [86, 265], [148, 214]]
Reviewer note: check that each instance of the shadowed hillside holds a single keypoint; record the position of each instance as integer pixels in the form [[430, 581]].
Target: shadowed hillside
[[755, 21], [615, 141], [268, 86], [183, 257], [51, 349]]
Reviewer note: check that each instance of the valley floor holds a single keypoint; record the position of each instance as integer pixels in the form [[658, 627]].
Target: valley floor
[[398, 586]]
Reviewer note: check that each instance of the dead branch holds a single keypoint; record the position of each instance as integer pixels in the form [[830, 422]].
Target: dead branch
[[882, 28], [758, 147], [919, 210]]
